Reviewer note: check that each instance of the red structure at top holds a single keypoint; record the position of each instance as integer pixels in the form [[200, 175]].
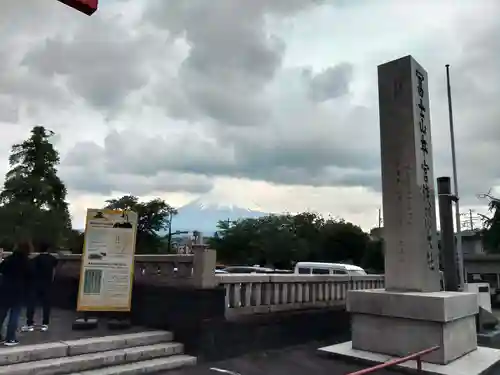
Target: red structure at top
[[85, 6]]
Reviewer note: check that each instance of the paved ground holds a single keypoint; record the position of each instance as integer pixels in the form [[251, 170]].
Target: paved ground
[[61, 330], [299, 360], [496, 312]]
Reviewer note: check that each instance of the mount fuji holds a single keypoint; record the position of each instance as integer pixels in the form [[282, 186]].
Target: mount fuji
[[203, 215]]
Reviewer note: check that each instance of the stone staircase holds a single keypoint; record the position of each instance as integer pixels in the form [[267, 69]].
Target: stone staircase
[[129, 354]]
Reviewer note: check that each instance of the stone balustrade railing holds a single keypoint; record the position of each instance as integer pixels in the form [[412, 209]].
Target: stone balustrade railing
[[164, 268], [257, 294], [245, 293]]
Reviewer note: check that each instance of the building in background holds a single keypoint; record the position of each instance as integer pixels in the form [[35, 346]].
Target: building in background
[[471, 240], [184, 244]]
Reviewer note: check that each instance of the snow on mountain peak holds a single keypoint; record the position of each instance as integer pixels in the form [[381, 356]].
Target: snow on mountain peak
[[215, 201], [217, 206], [203, 214]]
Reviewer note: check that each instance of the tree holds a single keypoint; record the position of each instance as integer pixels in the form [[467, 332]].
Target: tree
[[281, 240], [153, 217], [75, 241], [342, 242], [33, 200], [491, 231], [233, 241], [373, 259]]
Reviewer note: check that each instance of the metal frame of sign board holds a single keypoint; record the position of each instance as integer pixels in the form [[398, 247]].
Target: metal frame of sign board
[[105, 308]]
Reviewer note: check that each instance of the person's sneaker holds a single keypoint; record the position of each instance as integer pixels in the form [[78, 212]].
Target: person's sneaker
[[44, 328], [27, 328], [11, 343]]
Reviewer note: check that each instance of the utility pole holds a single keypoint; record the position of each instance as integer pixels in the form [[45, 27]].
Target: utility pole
[[448, 252], [460, 256], [380, 218], [471, 220], [169, 243]]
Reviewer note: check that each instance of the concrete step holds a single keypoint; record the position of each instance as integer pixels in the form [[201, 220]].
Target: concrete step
[[145, 367], [28, 353], [89, 361], [99, 344]]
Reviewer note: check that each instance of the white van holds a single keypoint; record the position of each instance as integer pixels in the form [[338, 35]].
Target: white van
[[319, 268]]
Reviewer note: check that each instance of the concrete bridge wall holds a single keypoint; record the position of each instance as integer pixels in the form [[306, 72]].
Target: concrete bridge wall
[[198, 319], [217, 317]]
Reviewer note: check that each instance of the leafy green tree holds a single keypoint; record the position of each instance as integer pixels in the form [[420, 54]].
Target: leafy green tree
[[281, 240], [153, 217], [342, 242], [373, 258], [233, 241], [491, 231], [75, 241], [33, 200]]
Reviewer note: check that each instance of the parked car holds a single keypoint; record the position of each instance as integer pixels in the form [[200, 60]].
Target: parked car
[[248, 269], [284, 272], [320, 268]]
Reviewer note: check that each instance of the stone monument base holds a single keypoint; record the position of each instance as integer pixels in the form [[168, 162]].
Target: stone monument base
[[399, 324]]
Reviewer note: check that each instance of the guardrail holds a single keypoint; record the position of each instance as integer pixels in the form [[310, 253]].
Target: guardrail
[[415, 356], [258, 294]]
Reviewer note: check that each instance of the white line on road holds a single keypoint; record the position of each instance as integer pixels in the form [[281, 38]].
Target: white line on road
[[224, 371]]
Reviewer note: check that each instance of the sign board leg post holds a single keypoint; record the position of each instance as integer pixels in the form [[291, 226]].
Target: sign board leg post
[[85, 322], [119, 321]]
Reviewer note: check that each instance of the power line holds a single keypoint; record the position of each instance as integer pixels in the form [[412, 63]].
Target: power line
[[471, 220]]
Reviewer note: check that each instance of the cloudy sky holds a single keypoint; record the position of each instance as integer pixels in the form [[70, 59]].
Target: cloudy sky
[[268, 104]]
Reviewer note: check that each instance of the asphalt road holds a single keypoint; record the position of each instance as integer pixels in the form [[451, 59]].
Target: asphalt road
[[299, 360]]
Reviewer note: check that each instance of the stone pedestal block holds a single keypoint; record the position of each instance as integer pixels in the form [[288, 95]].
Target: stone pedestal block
[[204, 267], [398, 323]]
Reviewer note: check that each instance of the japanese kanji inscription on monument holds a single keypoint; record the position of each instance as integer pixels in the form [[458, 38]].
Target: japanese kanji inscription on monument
[[407, 178]]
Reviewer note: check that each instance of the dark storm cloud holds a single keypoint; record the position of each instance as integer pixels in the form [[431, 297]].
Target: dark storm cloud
[[87, 168], [102, 62], [9, 109], [17, 85], [232, 57], [302, 159], [476, 94], [260, 120], [331, 83], [231, 65]]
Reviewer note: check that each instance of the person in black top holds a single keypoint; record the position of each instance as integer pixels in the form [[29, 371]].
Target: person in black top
[[44, 266], [16, 273]]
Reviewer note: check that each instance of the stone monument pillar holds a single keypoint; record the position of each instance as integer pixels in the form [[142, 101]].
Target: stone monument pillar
[[412, 255], [411, 314]]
